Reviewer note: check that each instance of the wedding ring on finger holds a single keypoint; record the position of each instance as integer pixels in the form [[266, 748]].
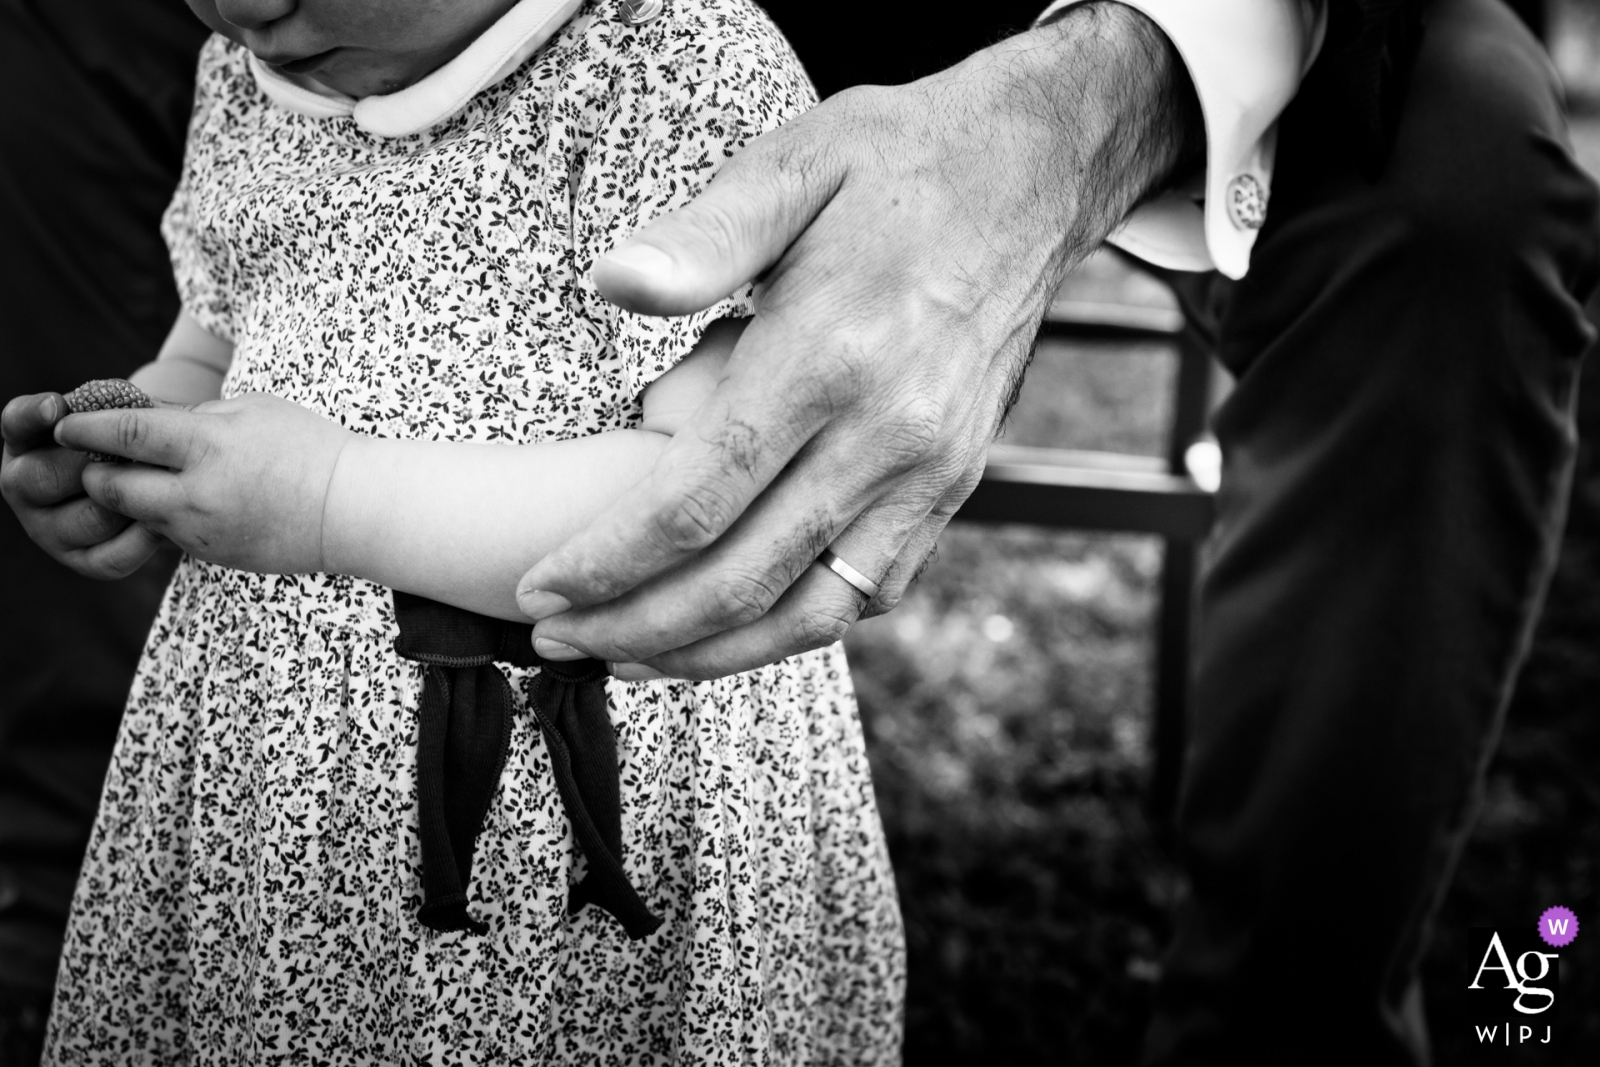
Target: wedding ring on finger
[[861, 582]]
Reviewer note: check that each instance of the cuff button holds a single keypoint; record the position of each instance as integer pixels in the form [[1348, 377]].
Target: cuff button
[[1247, 202]]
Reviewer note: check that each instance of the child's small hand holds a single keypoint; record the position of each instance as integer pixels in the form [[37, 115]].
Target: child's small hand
[[240, 482], [43, 483]]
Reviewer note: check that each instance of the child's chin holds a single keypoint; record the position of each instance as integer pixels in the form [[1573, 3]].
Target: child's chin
[[362, 76]]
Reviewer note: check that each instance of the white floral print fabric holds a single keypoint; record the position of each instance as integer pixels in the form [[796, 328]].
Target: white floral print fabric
[[251, 888]]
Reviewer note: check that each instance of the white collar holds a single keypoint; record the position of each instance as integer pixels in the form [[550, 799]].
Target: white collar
[[497, 52]]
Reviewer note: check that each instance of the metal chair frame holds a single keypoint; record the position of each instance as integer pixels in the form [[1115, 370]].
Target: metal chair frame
[[1071, 489]]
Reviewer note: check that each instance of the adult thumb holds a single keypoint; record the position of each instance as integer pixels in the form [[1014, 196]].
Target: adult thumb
[[761, 200]]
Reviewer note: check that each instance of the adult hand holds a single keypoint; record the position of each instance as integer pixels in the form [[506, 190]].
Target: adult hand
[[43, 484], [910, 240], [241, 482]]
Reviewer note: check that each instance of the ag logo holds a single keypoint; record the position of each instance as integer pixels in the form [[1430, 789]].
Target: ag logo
[[1513, 991], [1532, 966]]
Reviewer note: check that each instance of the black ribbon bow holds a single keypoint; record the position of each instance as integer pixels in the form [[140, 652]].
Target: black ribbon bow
[[463, 733]]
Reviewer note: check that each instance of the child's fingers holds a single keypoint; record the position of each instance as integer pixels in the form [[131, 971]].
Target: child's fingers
[[82, 523], [26, 422], [161, 436], [118, 557], [145, 494]]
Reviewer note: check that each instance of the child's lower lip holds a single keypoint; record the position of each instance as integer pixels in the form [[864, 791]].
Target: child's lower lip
[[307, 64]]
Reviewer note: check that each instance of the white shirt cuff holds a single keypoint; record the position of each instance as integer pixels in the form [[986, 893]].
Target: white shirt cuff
[[1246, 59]]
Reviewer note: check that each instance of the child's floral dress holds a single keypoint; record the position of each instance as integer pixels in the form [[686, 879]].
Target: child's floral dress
[[251, 889]]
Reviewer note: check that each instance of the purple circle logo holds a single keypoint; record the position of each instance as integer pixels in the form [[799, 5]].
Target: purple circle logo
[[1558, 926]]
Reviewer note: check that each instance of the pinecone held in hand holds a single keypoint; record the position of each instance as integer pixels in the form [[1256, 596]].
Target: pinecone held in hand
[[103, 393]]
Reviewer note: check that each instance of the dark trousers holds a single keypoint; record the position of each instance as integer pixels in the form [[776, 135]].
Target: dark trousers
[[1397, 455]]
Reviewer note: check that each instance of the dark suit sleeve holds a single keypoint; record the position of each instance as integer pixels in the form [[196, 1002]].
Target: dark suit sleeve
[[1355, 90]]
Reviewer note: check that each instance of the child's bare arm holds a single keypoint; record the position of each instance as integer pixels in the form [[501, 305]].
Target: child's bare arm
[[461, 523], [190, 366], [261, 484]]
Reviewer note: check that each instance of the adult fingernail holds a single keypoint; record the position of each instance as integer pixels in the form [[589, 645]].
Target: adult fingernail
[[634, 672], [50, 410], [549, 649], [642, 259], [539, 604]]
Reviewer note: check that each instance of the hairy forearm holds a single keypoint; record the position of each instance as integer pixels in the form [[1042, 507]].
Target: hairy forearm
[[460, 523], [1099, 114]]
